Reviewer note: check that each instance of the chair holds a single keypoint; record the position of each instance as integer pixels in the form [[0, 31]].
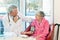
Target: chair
[[51, 33]]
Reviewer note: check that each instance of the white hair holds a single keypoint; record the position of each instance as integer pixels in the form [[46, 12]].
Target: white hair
[[11, 8]]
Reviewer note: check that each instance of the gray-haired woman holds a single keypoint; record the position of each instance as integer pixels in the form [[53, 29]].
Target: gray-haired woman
[[13, 20]]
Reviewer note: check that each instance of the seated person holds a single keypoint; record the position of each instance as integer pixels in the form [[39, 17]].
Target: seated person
[[39, 27]]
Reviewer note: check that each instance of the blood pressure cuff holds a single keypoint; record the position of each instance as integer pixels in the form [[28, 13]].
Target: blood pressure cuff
[[32, 29]]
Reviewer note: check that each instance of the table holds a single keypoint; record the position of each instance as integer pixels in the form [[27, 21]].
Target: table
[[9, 37], [16, 38]]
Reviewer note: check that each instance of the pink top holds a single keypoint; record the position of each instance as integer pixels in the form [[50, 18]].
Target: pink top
[[41, 29]]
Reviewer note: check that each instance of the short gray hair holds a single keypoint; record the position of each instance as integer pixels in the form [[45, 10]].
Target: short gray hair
[[41, 13], [11, 8]]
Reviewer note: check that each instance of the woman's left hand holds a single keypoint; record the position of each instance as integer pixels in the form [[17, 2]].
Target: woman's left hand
[[37, 37]]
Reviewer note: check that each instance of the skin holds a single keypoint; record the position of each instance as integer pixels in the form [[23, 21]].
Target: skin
[[14, 12], [29, 32], [38, 17]]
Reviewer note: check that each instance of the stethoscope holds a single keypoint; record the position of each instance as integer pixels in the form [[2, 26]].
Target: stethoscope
[[10, 20]]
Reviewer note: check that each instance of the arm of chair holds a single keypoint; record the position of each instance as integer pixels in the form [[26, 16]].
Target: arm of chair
[[51, 34]]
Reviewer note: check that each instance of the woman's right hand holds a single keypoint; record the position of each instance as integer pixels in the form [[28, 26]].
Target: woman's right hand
[[23, 33]]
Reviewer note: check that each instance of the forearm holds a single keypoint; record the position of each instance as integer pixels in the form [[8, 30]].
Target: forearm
[[27, 19], [29, 32]]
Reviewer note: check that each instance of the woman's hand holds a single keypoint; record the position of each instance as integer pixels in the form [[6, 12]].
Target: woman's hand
[[29, 32], [23, 33], [37, 37], [15, 19]]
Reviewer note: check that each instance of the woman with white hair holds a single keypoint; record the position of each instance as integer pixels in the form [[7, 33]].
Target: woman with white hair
[[13, 20]]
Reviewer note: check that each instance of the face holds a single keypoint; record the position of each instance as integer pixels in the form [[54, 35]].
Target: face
[[38, 16], [14, 12]]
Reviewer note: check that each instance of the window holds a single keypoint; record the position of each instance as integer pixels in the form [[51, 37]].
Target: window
[[4, 4], [32, 6]]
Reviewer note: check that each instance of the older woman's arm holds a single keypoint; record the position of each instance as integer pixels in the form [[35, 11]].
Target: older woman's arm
[[29, 32]]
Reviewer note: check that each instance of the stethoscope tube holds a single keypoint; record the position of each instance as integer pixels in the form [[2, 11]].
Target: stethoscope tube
[[9, 18]]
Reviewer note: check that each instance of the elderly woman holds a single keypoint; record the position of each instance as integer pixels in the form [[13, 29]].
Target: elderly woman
[[13, 20], [39, 27]]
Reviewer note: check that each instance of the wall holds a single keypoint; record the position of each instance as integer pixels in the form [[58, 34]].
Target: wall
[[48, 9], [57, 13]]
